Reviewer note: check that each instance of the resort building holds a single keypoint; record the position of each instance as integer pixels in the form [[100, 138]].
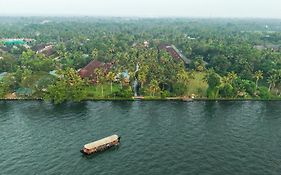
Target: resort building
[[90, 71], [16, 41], [175, 53], [47, 50]]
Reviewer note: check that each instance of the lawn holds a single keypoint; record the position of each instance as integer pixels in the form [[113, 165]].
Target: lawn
[[197, 85], [95, 91]]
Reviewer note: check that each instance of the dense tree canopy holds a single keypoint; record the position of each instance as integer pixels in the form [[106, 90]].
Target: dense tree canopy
[[234, 58]]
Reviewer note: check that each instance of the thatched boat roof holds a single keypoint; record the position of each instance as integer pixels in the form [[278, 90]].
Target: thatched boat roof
[[101, 142]]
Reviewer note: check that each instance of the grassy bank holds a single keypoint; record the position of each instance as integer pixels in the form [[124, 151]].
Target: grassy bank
[[152, 99]]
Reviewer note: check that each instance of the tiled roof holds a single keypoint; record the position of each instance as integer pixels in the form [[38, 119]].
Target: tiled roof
[[89, 70], [174, 52]]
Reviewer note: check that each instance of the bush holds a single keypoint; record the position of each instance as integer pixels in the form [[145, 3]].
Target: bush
[[212, 92], [263, 93], [124, 93], [165, 94], [250, 87], [178, 89], [226, 91], [200, 92]]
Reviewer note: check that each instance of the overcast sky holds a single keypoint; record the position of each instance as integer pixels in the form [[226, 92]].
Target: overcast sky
[[144, 8]]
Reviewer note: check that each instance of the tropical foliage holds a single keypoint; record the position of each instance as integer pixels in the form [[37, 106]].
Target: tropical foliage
[[228, 58]]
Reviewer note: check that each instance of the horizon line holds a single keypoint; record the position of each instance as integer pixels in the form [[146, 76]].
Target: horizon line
[[135, 16]]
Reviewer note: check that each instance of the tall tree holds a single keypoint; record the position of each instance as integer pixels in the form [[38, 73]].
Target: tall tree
[[153, 87], [183, 80], [271, 80], [100, 79], [68, 87], [258, 75], [213, 80], [110, 77]]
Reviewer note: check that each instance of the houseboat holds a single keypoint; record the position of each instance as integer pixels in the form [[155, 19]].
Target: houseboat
[[101, 145]]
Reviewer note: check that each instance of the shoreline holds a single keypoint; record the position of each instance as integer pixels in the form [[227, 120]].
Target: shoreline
[[147, 99]]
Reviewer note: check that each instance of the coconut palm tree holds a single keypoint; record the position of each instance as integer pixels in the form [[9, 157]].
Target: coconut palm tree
[[153, 87], [183, 77], [278, 82], [271, 80], [225, 80], [110, 77], [143, 74], [95, 53], [100, 78], [232, 76], [258, 75]]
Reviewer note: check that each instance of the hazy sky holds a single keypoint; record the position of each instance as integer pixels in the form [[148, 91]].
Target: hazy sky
[[144, 8]]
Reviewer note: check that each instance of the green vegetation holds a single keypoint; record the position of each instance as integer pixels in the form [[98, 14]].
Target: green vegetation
[[229, 59]]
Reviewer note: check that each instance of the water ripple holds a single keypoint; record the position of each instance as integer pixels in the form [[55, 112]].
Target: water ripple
[[157, 137]]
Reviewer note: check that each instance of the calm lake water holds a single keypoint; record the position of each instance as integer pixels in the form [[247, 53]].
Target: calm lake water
[[157, 138]]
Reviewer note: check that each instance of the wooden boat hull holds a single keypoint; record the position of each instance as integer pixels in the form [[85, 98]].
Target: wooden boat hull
[[99, 150]]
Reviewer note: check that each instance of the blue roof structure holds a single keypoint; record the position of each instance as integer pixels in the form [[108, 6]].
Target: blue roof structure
[[126, 74], [2, 75]]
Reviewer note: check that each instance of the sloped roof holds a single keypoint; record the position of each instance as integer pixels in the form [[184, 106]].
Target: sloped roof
[[14, 42], [89, 70], [174, 52], [47, 50], [101, 142]]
